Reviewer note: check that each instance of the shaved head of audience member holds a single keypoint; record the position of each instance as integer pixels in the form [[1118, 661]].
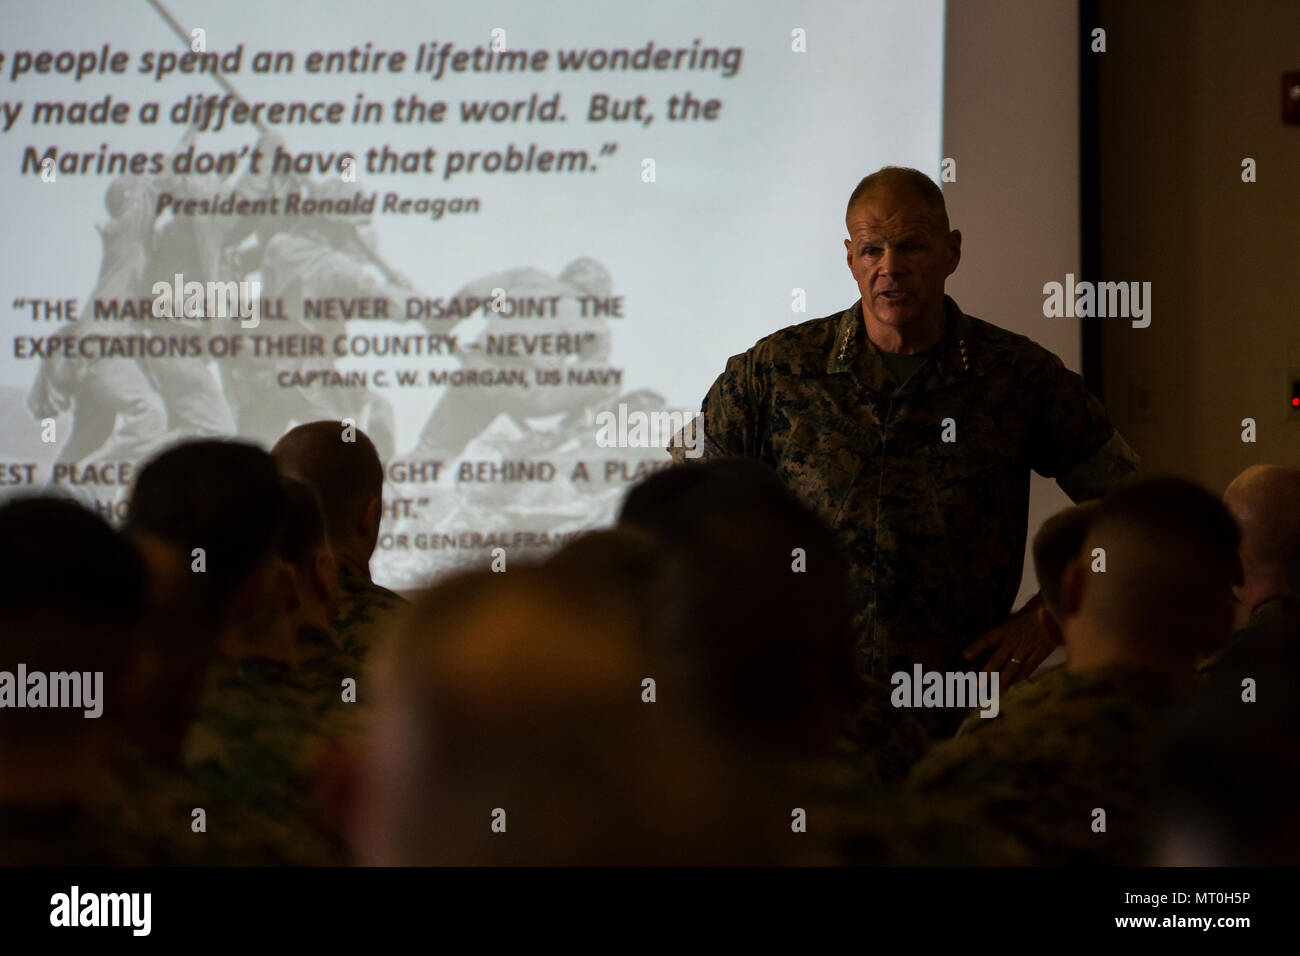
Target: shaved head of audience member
[[762, 599], [1152, 586], [206, 516], [71, 598], [516, 727], [1265, 500], [340, 463], [1056, 544]]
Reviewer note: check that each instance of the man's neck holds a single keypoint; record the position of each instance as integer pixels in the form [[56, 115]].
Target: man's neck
[[1095, 652], [916, 337], [352, 563]]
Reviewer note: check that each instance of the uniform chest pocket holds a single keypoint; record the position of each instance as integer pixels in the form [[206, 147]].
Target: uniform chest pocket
[[821, 462], [972, 476], [976, 452], [958, 467]]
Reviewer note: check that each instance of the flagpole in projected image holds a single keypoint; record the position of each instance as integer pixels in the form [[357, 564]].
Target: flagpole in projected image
[[372, 253], [216, 75]]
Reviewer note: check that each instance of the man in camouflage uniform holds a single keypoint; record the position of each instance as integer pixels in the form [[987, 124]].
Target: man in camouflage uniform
[[227, 736], [262, 731], [271, 713], [911, 428], [342, 466], [1078, 740]]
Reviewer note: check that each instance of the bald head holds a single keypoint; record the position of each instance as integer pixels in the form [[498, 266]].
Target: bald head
[[341, 465], [1153, 583], [902, 180], [1265, 501]]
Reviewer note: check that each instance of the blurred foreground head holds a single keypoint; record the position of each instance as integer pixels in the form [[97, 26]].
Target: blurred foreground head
[[222, 499], [71, 599], [757, 602], [206, 516], [513, 729], [1152, 586], [339, 462], [1228, 774]]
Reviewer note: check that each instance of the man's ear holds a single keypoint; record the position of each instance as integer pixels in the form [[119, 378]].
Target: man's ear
[[1073, 584], [954, 250], [368, 524], [325, 574], [848, 253]]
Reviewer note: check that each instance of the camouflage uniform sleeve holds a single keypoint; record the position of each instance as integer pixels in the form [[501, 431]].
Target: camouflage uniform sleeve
[[1109, 466], [1074, 440], [729, 421]]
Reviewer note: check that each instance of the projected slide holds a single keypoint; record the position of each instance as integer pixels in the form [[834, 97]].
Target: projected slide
[[480, 232]]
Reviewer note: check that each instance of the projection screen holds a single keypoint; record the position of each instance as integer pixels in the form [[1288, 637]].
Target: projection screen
[[475, 232]]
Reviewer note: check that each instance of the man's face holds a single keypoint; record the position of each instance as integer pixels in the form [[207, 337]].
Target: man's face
[[899, 255]]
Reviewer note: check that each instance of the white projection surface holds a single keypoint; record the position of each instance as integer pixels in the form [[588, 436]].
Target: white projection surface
[[555, 209]]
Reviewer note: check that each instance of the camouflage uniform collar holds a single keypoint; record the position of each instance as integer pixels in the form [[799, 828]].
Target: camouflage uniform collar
[[950, 361]]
